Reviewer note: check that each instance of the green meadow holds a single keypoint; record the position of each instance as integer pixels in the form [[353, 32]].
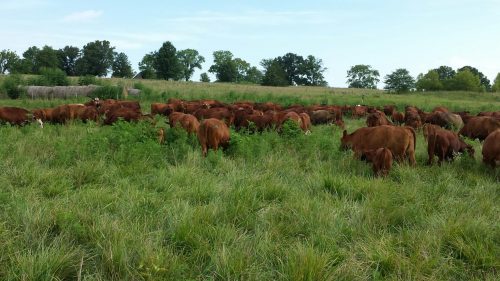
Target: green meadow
[[88, 202]]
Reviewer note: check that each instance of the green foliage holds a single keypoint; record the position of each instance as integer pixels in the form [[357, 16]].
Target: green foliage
[[11, 86], [146, 92], [29, 62], [399, 81], [50, 77], [429, 82], [445, 72], [107, 92], [313, 70], [122, 67], [465, 80], [363, 76], [224, 67], [96, 59], [166, 63], [253, 75], [485, 82], [67, 59], [496, 84], [204, 77], [46, 59], [88, 80], [275, 75], [147, 66], [112, 201], [9, 61], [189, 59]]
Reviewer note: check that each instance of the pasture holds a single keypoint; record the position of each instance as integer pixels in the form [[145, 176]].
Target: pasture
[[90, 202]]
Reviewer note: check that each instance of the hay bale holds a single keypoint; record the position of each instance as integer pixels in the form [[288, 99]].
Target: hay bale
[[59, 92], [133, 92]]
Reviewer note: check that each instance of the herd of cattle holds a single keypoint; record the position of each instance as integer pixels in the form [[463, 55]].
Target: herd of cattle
[[382, 140]]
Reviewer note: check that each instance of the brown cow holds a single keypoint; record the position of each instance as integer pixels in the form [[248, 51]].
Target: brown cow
[[480, 127], [66, 112], [44, 114], [444, 144], [220, 113], [440, 109], [187, 121], [398, 117], [377, 118], [400, 140], [389, 109], [16, 116], [88, 113], [213, 133], [261, 121], [491, 149], [413, 120], [322, 117], [381, 159], [125, 113], [162, 109], [445, 119]]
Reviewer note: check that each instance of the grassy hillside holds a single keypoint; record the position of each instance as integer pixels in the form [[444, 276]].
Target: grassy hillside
[[110, 203]]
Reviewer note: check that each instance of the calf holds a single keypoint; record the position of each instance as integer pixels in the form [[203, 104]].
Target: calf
[[444, 144], [381, 159]]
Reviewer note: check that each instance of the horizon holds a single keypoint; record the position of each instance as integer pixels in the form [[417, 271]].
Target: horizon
[[387, 35]]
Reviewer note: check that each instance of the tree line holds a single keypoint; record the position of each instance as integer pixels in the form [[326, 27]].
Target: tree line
[[100, 59], [443, 78]]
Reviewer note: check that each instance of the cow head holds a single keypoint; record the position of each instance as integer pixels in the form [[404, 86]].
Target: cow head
[[345, 141]]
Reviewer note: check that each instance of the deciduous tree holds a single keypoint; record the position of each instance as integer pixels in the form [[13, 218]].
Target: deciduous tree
[[96, 59], [189, 59], [362, 76], [9, 61], [399, 81], [166, 62], [122, 67]]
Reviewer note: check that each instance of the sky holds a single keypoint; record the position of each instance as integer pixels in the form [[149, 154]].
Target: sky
[[386, 34]]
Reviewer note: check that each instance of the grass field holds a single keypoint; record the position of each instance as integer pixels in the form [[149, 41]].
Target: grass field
[[85, 202]]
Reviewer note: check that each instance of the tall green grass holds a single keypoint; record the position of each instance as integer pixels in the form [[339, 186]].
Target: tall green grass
[[110, 203]]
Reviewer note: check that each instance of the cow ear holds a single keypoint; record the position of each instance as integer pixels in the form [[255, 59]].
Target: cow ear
[[344, 133]]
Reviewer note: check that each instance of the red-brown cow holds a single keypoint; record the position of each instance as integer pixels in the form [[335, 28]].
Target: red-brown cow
[[381, 159], [377, 118], [15, 115], [187, 121], [213, 134], [162, 109], [480, 127], [125, 113], [220, 113], [491, 149], [400, 140], [305, 123], [444, 144]]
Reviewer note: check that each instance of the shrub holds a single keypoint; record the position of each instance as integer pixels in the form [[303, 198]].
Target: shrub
[[11, 86], [49, 77], [107, 92], [88, 80]]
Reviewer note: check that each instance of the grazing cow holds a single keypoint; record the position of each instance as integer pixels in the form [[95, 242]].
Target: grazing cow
[[389, 109], [125, 113], [16, 116], [66, 112], [220, 113], [261, 121], [444, 144], [413, 120], [213, 133], [44, 114], [111, 105], [480, 127], [88, 113], [495, 114], [377, 118], [445, 119], [162, 109], [267, 106], [187, 121], [400, 140], [398, 117], [381, 159], [358, 111], [322, 117], [305, 123], [491, 149]]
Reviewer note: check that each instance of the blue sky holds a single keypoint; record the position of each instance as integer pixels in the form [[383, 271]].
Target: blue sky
[[417, 35]]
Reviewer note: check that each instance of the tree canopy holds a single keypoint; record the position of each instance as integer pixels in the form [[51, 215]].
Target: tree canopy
[[9, 60], [166, 62], [189, 59], [362, 76], [399, 81], [97, 58], [122, 67]]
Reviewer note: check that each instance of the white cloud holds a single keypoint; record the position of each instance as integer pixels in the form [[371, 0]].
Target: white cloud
[[83, 16]]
